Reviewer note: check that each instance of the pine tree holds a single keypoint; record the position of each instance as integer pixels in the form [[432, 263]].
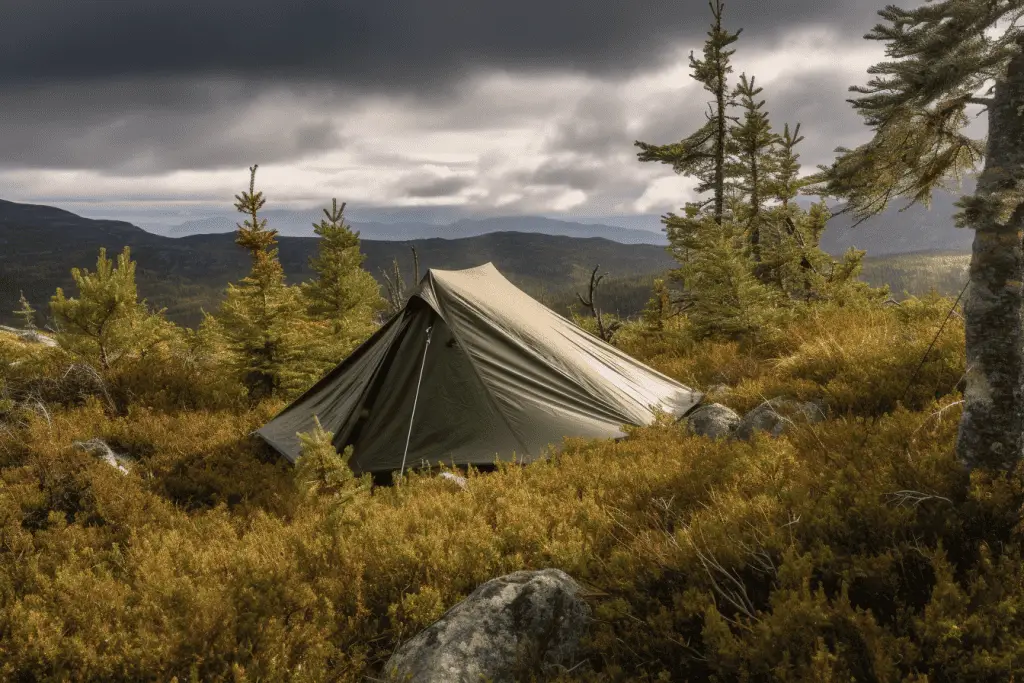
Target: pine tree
[[321, 471], [725, 299], [261, 316], [107, 324], [657, 308], [703, 154], [26, 313], [753, 143], [792, 259], [343, 293], [785, 180], [942, 60]]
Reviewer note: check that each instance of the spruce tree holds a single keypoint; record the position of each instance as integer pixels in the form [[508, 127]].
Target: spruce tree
[[656, 311], [724, 299], [753, 143], [785, 179], [792, 259], [261, 316], [941, 60], [106, 324], [343, 293], [703, 154], [321, 471], [26, 313]]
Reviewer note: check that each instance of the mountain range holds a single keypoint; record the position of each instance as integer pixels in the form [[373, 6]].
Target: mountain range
[[39, 245], [293, 223], [898, 231], [893, 232]]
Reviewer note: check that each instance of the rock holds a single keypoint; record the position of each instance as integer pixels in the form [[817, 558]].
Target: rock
[[776, 415], [30, 336], [524, 622], [100, 449], [712, 420], [451, 476]]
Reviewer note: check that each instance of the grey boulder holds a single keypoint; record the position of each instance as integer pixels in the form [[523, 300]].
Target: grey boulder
[[527, 621], [712, 420], [29, 336], [776, 415]]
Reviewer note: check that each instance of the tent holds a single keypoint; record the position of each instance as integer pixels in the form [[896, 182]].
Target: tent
[[472, 370]]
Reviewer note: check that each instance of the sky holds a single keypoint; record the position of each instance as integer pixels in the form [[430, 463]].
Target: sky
[[436, 109]]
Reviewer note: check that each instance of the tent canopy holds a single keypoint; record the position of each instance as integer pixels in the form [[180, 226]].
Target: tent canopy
[[503, 376]]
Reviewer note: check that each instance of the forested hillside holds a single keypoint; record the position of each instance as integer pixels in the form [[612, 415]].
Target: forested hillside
[[188, 275], [40, 246]]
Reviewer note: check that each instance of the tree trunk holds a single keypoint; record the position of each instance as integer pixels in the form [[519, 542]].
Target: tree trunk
[[990, 428]]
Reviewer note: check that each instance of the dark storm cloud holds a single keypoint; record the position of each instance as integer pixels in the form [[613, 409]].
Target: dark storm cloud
[[597, 126], [137, 88], [571, 174], [139, 129], [435, 187], [402, 45]]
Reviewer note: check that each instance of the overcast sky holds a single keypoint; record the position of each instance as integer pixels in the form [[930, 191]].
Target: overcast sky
[[492, 108]]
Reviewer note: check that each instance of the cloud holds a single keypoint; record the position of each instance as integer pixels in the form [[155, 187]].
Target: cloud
[[564, 173], [483, 108], [596, 125], [437, 186], [394, 45], [136, 128]]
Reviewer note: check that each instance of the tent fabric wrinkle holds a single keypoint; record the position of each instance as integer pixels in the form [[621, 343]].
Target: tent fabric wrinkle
[[503, 377]]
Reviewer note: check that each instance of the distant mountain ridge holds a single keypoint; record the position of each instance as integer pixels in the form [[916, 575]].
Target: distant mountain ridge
[[300, 224], [40, 244], [903, 232], [893, 232]]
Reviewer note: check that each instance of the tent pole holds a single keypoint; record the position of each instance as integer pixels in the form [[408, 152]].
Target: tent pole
[[414, 400]]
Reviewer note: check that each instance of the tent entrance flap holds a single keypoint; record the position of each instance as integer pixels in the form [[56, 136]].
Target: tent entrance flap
[[416, 398], [377, 382]]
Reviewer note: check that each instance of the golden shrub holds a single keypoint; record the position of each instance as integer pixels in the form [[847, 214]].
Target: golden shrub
[[852, 549]]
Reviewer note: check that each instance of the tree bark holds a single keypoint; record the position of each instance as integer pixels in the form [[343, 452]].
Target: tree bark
[[990, 433]]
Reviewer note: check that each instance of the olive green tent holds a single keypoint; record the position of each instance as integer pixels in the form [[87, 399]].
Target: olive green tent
[[471, 370]]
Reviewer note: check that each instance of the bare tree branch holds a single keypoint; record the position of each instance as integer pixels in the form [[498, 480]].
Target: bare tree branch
[[605, 332]]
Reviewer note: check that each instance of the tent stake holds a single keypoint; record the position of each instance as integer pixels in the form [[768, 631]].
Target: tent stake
[[414, 400]]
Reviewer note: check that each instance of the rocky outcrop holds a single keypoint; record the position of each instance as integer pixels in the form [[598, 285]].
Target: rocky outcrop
[[776, 415], [528, 621], [31, 336], [712, 420]]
